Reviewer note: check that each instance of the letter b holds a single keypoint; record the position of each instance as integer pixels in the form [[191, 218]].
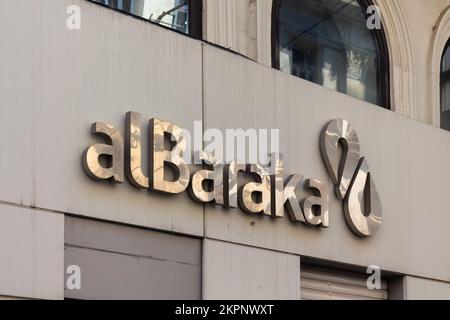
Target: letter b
[[160, 158]]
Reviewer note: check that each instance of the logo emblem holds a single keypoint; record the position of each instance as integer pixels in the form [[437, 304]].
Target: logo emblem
[[351, 176]]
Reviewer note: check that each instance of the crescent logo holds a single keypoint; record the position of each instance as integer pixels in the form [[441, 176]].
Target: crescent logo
[[350, 173]]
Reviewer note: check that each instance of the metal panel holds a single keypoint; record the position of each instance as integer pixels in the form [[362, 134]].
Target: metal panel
[[425, 289], [232, 271], [120, 262], [111, 237], [31, 253], [327, 284], [402, 155], [56, 82]]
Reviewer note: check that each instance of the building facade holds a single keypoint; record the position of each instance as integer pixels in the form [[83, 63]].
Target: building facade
[[230, 64]]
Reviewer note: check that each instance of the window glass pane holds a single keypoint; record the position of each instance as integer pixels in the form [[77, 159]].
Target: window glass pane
[[328, 42], [171, 13], [445, 89]]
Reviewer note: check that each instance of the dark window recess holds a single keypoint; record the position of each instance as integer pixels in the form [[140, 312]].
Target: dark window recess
[[182, 15], [328, 42], [445, 88]]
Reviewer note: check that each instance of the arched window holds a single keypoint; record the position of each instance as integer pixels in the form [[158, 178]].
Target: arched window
[[445, 88], [329, 42], [181, 15]]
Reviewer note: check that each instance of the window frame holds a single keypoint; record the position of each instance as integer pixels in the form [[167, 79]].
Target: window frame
[[384, 78], [195, 18], [443, 76], [441, 72]]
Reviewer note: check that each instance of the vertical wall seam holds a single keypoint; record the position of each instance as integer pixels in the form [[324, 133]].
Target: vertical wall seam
[[202, 252]]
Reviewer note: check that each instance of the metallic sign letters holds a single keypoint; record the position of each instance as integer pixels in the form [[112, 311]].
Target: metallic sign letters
[[350, 174], [254, 188]]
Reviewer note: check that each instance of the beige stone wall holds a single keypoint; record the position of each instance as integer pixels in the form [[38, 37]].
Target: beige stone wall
[[232, 24], [422, 21], [415, 30]]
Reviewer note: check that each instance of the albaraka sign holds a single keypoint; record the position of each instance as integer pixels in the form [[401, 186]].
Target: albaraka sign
[[255, 188]]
